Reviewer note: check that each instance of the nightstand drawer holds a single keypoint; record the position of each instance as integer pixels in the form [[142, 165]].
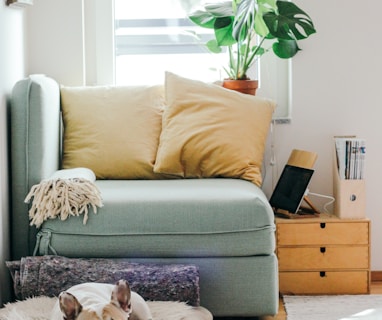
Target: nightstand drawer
[[314, 282], [323, 233], [323, 258]]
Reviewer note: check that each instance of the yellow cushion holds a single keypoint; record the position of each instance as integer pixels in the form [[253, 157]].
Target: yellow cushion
[[113, 131], [210, 131]]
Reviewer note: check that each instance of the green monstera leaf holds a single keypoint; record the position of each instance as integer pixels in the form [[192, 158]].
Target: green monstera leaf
[[285, 48], [203, 19], [289, 23], [223, 31], [211, 13]]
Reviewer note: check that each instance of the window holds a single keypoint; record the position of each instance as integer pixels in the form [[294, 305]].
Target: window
[[159, 38], [134, 42]]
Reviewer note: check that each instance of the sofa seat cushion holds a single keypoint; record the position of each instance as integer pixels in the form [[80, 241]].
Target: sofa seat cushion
[[169, 218]]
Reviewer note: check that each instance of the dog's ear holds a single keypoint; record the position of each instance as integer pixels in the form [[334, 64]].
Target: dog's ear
[[69, 305], [121, 295]]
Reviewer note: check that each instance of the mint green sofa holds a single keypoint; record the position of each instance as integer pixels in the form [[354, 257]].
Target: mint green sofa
[[224, 226]]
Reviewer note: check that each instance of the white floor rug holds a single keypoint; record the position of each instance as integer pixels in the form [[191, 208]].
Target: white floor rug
[[39, 308], [343, 307]]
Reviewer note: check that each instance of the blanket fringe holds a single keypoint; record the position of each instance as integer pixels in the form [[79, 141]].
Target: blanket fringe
[[62, 198]]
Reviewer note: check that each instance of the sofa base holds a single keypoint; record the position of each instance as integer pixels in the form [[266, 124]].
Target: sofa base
[[235, 286]]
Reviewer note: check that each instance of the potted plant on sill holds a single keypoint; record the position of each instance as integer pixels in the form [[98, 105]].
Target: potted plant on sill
[[244, 26]]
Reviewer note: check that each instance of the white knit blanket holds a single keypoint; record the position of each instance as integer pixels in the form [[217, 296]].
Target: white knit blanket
[[68, 192]]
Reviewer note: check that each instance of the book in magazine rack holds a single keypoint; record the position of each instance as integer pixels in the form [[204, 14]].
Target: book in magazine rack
[[349, 194]]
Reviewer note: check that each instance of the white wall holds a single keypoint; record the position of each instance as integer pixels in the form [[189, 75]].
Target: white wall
[[336, 91], [12, 69], [336, 81], [55, 40]]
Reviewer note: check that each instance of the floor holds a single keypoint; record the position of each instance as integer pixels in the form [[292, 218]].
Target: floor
[[375, 288]]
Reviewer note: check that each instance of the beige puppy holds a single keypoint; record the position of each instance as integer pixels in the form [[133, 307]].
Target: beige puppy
[[101, 301]]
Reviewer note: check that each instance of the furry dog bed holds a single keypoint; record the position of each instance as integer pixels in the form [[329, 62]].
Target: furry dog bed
[[40, 308], [49, 275]]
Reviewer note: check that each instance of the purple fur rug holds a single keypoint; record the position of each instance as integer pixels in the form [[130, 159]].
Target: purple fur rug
[[49, 275]]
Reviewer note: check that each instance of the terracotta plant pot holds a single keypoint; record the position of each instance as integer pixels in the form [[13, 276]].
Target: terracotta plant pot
[[243, 86]]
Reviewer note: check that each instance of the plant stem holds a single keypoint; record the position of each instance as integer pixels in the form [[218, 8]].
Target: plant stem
[[238, 62], [231, 72], [253, 55], [247, 49]]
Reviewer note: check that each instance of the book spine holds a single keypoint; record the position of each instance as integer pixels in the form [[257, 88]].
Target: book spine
[[350, 156]]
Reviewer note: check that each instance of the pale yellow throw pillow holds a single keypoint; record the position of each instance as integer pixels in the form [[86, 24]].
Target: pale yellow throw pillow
[[113, 131], [210, 131]]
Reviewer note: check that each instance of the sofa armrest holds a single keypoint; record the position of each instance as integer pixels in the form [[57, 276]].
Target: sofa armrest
[[35, 150]]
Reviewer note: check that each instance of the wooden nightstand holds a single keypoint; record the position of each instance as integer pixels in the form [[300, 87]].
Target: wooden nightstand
[[324, 255]]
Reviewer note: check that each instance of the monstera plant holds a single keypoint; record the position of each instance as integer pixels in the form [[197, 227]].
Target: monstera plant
[[251, 28]]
